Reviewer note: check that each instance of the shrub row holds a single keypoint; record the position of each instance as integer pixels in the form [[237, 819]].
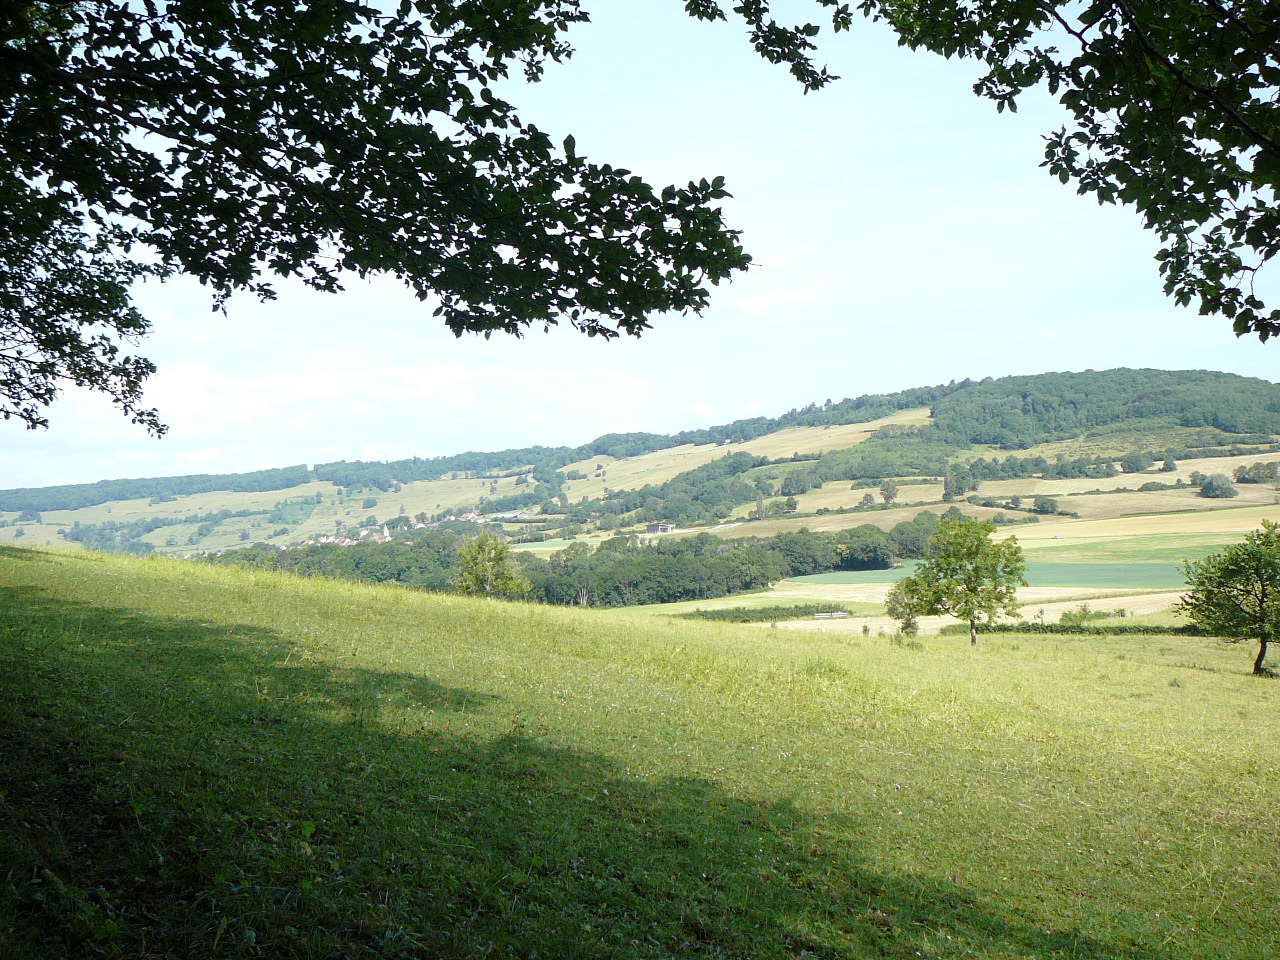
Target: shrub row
[[765, 614], [1068, 629]]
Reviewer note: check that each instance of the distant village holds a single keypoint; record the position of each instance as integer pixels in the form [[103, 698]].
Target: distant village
[[384, 535]]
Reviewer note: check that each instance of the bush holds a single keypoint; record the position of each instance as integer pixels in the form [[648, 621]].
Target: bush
[[1085, 630], [1218, 487], [765, 614]]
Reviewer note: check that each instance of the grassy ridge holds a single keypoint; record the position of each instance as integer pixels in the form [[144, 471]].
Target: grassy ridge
[[209, 762]]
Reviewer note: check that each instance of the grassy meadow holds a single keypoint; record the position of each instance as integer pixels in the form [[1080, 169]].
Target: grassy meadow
[[208, 762]]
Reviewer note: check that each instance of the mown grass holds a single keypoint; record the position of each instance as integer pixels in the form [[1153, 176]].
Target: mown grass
[[1171, 548], [207, 762], [1042, 573]]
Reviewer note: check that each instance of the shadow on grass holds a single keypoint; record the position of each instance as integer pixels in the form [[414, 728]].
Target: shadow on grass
[[184, 790], [22, 553]]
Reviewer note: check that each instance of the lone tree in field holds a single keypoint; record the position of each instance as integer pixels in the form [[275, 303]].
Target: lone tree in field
[[968, 575], [1235, 593], [487, 568]]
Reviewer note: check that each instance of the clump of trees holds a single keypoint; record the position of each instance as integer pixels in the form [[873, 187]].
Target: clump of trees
[[1216, 486], [1257, 473]]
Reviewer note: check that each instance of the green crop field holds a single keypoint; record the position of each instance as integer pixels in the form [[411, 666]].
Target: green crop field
[[217, 763], [1044, 573]]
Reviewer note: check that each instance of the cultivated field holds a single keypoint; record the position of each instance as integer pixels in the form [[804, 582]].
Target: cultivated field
[[207, 760], [663, 465]]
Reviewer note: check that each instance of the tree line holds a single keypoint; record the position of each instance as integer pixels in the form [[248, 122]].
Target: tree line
[[622, 571]]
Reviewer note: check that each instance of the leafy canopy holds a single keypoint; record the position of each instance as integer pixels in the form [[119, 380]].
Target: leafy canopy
[[1235, 593], [236, 140], [486, 568], [1175, 110]]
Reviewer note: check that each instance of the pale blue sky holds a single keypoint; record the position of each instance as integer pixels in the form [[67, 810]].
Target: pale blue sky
[[903, 231]]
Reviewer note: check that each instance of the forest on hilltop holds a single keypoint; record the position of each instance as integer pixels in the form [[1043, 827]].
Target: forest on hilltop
[[1011, 413]]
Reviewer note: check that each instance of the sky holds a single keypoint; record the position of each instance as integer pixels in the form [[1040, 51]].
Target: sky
[[903, 233]]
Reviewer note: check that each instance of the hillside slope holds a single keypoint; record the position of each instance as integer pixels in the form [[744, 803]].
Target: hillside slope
[[204, 760], [818, 466]]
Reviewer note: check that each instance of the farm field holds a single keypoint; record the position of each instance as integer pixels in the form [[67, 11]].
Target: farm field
[[1118, 439], [663, 465], [1228, 523], [1041, 573], [269, 766], [292, 515], [863, 595]]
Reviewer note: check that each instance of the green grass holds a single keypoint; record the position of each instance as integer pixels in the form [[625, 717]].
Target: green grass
[[1040, 573], [1169, 548], [1121, 576], [217, 763]]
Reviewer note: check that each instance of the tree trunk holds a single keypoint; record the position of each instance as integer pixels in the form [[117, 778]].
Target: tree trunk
[[1258, 669], [973, 633]]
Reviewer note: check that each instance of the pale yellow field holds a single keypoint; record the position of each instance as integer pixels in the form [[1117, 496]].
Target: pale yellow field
[[1054, 601], [841, 493], [1225, 465], [1163, 501], [663, 465], [1207, 465], [786, 592], [884, 519], [808, 440], [1034, 486], [1112, 446], [1230, 520], [34, 535], [635, 472]]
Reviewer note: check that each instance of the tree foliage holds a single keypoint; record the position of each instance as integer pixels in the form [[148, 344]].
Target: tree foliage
[[1218, 486], [485, 568], [1235, 593], [239, 139], [1174, 106], [968, 576]]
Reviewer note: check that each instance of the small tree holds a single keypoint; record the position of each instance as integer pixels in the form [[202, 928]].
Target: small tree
[[1235, 593], [900, 605], [486, 568], [968, 575], [889, 491]]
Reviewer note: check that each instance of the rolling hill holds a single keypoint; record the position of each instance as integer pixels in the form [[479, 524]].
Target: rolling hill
[[231, 763], [1052, 457]]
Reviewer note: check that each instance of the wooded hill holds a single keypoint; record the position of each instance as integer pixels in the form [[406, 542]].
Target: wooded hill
[[821, 465], [1011, 413]]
